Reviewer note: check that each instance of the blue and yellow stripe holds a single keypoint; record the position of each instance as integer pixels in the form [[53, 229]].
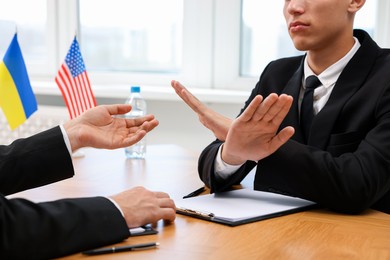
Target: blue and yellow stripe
[[17, 99]]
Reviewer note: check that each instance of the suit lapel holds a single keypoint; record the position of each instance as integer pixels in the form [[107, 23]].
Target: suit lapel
[[293, 88], [350, 80]]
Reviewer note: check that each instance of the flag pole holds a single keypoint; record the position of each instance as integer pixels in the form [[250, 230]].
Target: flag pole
[[76, 91], [79, 153], [18, 131]]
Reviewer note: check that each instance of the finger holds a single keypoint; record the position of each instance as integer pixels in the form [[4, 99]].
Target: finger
[[282, 137], [118, 109], [264, 110], [251, 109], [168, 214], [177, 86], [134, 138], [138, 121], [193, 102], [273, 109], [166, 203], [286, 103], [160, 194], [143, 130], [149, 125]]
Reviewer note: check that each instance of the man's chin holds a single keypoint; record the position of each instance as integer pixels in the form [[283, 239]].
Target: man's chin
[[301, 46]]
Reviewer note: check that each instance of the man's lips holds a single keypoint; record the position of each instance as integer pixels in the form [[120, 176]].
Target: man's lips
[[297, 26]]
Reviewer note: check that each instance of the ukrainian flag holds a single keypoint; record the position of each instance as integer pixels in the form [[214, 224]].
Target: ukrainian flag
[[17, 99]]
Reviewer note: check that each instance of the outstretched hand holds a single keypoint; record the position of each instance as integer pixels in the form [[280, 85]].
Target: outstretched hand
[[100, 127], [253, 135], [212, 120], [141, 206]]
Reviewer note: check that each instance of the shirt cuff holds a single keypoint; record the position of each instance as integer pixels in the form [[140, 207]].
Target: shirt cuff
[[222, 169], [116, 205], [66, 139]]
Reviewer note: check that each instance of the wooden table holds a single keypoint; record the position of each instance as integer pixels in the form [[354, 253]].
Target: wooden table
[[314, 234]]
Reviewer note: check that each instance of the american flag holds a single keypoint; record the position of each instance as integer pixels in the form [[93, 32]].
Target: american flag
[[72, 79]]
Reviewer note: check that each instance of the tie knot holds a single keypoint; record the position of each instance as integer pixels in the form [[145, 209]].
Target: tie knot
[[312, 82]]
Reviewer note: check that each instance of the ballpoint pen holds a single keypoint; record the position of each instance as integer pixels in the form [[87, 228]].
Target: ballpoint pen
[[108, 250], [195, 193], [192, 212]]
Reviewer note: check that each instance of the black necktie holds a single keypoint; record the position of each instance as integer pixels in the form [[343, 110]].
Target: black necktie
[[307, 114]]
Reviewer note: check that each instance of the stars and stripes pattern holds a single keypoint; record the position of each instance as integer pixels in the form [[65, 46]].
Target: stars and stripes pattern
[[74, 84]]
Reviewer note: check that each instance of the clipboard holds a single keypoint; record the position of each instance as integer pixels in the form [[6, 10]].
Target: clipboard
[[241, 206]]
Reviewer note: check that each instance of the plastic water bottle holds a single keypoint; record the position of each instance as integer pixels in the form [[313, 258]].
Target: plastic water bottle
[[138, 104]]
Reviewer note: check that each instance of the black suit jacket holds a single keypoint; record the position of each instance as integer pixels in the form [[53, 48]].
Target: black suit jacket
[[346, 164], [52, 229]]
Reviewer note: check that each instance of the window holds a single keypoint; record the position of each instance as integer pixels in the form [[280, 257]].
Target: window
[[210, 44], [146, 42], [366, 18], [132, 35], [256, 52], [31, 27]]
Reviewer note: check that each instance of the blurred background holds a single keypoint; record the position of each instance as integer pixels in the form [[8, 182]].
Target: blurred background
[[217, 48]]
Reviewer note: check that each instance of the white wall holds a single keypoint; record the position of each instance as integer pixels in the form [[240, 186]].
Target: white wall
[[178, 124]]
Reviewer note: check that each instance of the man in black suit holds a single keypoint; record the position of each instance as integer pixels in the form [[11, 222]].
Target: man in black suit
[[343, 161], [53, 229]]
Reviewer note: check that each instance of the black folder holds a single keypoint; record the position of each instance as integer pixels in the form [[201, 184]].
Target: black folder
[[142, 231], [241, 206]]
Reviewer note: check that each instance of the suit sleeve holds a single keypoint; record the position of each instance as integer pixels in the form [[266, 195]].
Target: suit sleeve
[[207, 172], [34, 161], [51, 229], [58, 228]]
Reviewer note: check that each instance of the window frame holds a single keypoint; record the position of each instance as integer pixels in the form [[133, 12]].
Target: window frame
[[211, 53], [196, 37]]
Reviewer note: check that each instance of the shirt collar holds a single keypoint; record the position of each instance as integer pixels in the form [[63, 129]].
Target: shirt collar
[[329, 76]]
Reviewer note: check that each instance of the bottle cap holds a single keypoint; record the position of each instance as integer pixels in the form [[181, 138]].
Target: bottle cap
[[135, 89]]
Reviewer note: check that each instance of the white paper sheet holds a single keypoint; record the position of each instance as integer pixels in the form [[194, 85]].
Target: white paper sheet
[[242, 204]]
